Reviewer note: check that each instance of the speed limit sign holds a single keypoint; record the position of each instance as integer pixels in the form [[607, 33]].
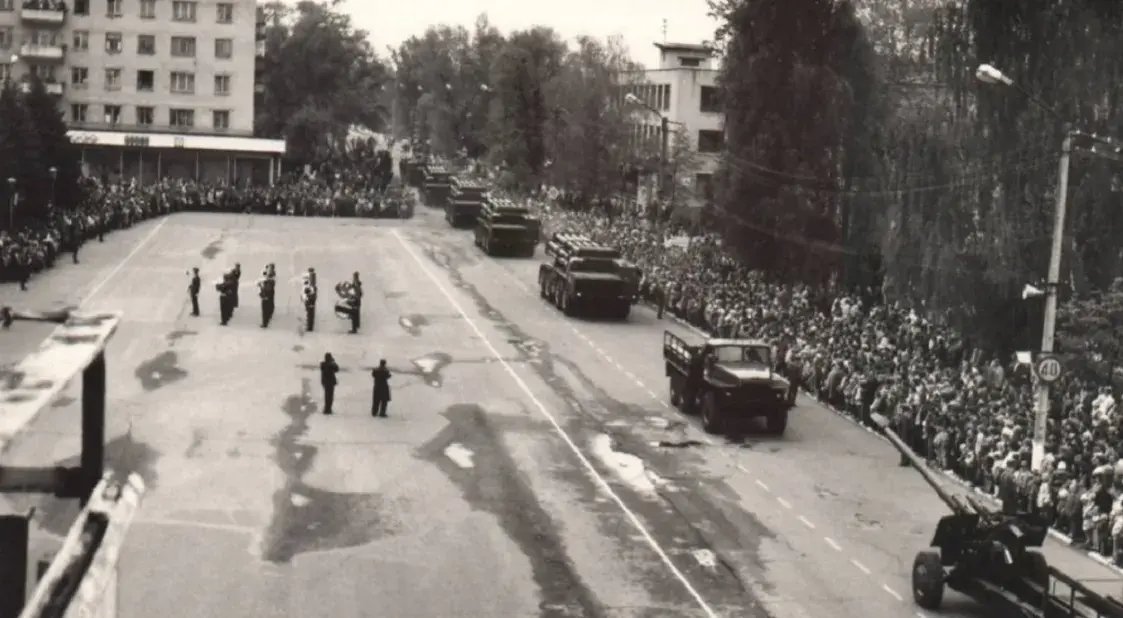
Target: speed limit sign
[[1048, 368]]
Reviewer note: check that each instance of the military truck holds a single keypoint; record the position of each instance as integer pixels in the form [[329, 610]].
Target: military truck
[[436, 185], [586, 277], [506, 226], [465, 201], [729, 381]]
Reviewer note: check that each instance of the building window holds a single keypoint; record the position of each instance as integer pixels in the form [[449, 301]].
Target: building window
[[112, 114], [113, 79], [43, 38], [45, 73], [704, 184], [181, 118], [6, 38], [183, 10], [222, 84], [183, 83], [148, 9], [710, 100], [78, 112], [7, 5], [112, 42], [145, 116], [223, 48], [113, 8], [81, 41], [81, 7], [689, 62], [5, 72], [145, 81], [709, 141], [146, 44], [79, 77], [221, 120], [183, 46], [225, 13]]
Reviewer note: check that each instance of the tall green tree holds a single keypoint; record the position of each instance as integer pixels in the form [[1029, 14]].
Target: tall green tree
[[520, 111], [792, 88], [57, 151], [20, 155], [321, 76]]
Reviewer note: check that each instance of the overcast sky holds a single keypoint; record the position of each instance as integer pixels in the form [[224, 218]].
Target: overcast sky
[[640, 22]]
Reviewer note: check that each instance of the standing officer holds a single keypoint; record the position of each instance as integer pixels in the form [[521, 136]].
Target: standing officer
[[193, 290], [237, 282], [356, 301], [226, 293], [381, 396], [267, 288], [328, 369], [308, 295]]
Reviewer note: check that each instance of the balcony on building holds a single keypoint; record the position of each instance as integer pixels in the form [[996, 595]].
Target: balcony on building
[[55, 88], [42, 50], [43, 12], [143, 129]]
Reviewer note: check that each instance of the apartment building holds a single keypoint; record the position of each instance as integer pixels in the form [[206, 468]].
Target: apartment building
[[683, 88], [149, 88]]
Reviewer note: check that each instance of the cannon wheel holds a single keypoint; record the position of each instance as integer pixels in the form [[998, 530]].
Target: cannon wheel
[[928, 580]]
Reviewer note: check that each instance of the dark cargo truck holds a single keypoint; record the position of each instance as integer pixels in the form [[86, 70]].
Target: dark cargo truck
[[586, 277], [504, 226], [465, 201], [436, 186], [729, 381]]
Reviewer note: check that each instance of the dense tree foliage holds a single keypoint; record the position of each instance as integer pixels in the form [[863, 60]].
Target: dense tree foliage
[[32, 141], [320, 78]]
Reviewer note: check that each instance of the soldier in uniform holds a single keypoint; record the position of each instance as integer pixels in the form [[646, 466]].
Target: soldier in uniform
[[267, 288], [308, 296], [328, 369], [355, 295], [193, 290], [380, 398], [237, 274], [226, 292]]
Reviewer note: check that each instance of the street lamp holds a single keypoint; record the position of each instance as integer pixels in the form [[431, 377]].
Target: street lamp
[[12, 205], [54, 177], [664, 137], [990, 75]]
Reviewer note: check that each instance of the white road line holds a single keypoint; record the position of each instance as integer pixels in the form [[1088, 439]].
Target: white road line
[[194, 524], [832, 543], [806, 522], [861, 567], [784, 503], [742, 468], [891, 592], [762, 485], [125, 260], [605, 487]]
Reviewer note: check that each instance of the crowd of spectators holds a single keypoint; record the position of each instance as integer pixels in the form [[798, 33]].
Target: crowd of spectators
[[966, 411]]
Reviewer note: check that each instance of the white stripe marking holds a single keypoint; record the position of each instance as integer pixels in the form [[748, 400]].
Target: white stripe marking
[[605, 487], [806, 522], [784, 503], [125, 260], [742, 468], [861, 567], [831, 542], [892, 593], [762, 485], [194, 524]]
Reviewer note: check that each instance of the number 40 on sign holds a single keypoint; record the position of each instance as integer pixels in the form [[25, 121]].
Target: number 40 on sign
[[1048, 368]]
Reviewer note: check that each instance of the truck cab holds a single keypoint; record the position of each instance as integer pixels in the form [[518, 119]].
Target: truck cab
[[727, 381], [585, 276]]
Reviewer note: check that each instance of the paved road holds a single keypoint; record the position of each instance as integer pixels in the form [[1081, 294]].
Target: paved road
[[520, 473]]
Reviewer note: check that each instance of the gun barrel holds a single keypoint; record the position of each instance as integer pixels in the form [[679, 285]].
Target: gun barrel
[[957, 506]]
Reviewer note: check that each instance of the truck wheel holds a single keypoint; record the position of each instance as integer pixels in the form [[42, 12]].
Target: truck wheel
[[1037, 568], [675, 396], [711, 415], [623, 310], [487, 246], [557, 297], [542, 287], [567, 305], [928, 580], [530, 250], [777, 422]]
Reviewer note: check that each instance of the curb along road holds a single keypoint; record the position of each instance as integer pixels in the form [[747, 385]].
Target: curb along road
[[1097, 557]]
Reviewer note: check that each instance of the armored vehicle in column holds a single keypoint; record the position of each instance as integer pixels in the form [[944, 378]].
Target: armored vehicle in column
[[504, 226], [729, 381], [585, 277], [465, 201], [436, 186]]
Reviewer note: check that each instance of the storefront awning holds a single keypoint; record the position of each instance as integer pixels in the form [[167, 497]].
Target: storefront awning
[[218, 143]]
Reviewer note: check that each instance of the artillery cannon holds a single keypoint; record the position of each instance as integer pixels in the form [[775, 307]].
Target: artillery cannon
[[990, 557]]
